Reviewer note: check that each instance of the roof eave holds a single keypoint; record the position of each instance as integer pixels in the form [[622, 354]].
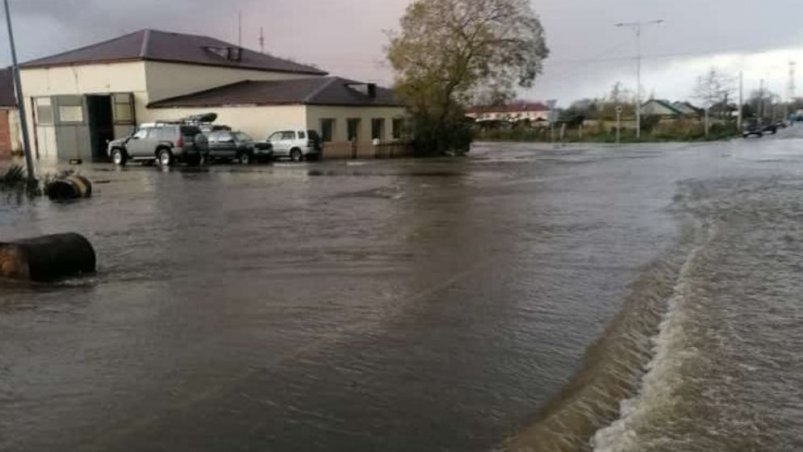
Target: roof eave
[[34, 65], [273, 104]]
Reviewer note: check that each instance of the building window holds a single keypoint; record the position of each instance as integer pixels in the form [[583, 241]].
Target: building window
[[327, 130], [71, 113], [398, 127], [44, 111], [378, 129], [353, 129], [123, 109]]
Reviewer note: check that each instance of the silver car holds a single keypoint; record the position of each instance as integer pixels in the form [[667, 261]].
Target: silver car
[[297, 145]]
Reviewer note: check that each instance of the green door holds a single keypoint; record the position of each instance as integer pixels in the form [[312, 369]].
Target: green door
[[71, 125]]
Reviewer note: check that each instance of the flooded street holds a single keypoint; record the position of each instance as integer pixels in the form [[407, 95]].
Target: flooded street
[[512, 299]]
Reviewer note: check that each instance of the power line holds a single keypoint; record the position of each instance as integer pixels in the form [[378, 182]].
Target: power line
[[664, 55]]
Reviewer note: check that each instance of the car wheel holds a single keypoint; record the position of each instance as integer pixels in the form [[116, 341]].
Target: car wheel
[[296, 155], [165, 158], [119, 158], [245, 158]]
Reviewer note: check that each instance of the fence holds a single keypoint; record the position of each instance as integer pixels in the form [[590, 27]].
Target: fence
[[354, 150]]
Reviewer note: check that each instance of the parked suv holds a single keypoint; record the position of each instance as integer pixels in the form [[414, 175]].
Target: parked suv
[[166, 143], [296, 144], [227, 145], [753, 128]]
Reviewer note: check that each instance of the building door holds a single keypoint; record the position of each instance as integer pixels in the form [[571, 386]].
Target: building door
[[123, 114], [101, 125], [71, 125]]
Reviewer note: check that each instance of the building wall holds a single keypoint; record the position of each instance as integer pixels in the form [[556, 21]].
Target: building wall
[[15, 129], [5, 133], [342, 114], [124, 77], [256, 121], [165, 80]]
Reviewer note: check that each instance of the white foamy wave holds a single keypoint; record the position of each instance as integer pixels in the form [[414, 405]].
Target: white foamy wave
[[664, 370]]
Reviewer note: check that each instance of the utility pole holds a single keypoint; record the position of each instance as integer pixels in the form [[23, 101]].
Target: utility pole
[[791, 93], [740, 120], [26, 142], [761, 101], [637, 28], [261, 39]]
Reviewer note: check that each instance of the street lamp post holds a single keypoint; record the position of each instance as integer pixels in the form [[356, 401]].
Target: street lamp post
[[26, 142], [637, 28]]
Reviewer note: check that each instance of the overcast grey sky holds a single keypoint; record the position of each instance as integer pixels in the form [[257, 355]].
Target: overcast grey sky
[[346, 37]]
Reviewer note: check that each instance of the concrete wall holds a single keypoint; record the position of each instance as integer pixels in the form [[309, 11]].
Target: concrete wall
[[342, 114], [165, 80], [258, 122]]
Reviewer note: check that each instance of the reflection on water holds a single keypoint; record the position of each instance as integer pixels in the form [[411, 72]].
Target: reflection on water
[[512, 299]]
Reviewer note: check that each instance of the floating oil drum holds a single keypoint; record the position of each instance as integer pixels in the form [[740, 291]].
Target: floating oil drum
[[70, 187], [47, 258]]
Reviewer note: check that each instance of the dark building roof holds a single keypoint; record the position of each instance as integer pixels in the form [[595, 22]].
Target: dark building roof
[[514, 107], [7, 96], [675, 111], [154, 45], [333, 91]]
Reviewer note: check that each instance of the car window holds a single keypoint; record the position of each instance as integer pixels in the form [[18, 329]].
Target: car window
[[288, 135], [243, 136], [141, 134], [276, 136], [302, 135], [225, 137], [213, 137], [163, 133]]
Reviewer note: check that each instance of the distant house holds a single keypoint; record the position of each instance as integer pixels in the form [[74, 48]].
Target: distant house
[[688, 109], [662, 108], [512, 112], [724, 110], [9, 116]]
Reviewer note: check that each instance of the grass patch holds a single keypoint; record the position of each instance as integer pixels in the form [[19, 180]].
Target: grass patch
[[14, 181]]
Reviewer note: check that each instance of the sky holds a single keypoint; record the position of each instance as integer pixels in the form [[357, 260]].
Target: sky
[[347, 37]]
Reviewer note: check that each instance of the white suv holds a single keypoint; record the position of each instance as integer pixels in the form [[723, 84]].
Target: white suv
[[296, 145]]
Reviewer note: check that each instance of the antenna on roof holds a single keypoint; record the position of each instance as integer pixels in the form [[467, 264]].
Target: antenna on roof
[[240, 28], [261, 40]]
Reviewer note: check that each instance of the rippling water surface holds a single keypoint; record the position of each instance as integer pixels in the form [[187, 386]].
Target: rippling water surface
[[644, 298]]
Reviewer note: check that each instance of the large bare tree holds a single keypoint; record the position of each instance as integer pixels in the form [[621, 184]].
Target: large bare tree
[[451, 53], [713, 88]]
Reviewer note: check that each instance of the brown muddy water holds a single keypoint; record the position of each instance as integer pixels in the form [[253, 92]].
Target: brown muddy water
[[646, 298]]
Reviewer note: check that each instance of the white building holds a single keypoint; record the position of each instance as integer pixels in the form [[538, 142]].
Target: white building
[[512, 112], [82, 98]]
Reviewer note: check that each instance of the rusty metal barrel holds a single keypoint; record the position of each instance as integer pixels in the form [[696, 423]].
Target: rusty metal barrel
[[48, 258], [70, 187]]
